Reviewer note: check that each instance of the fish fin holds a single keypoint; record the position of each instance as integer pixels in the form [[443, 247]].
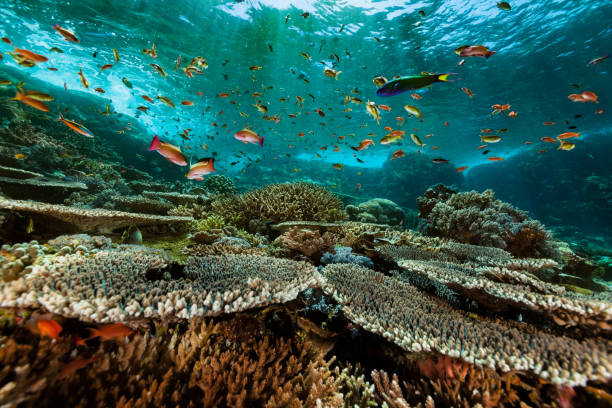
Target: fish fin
[[18, 96], [155, 143], [61, 117], [444, 77], [261, 140], [55, 27], [94, 333], [488, 54]]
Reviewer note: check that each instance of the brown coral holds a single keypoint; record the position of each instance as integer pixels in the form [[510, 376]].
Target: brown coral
[[307, 242]]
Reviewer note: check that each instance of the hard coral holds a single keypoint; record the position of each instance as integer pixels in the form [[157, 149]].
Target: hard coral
[[310, 243], [480, 219]]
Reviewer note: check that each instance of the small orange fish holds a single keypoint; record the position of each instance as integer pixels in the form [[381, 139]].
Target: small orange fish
[[49, 328], [187, 103], [7, 40], [486, 130], [223, 95], [73, 366], [106, 66], [541, 151], [500, 108], [385, 108], [434, 147], [365, 143], [32, 56], [23, 98], [460, 169], [599, 112], [568, 135], [446, 123], [481, 147], [399, 118], [388, 128], [77, 127], [255, 68], [68, 35], [397, 154], [416, 96], [100, 90], [512, 114], [495, 158], [589, 96], [147, 98], [548, 139], [527, 142], [19, 156], [468, 92], [110, 331]]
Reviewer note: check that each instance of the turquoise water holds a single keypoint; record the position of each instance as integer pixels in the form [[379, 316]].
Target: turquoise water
[[542, 51]]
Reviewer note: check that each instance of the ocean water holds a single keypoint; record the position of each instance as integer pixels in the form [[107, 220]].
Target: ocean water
[[263, 68]]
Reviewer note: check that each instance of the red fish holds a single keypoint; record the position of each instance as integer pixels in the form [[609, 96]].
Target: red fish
[[170, 152], [365, 143], [474, 51], [201, 168], [248, 136], [110, 331], [74, 366], [32, 56], [49, 328], [68, 35], [460, 169], [397, 154], [495, 158]]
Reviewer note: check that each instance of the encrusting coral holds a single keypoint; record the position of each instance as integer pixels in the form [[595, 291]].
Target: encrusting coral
[[132, 281], [480, 219], [376, 210], [418, 322]]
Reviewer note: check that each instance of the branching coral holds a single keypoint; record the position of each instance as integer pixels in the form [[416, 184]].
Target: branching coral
[[478, 218], [310, 243], [418, 322]]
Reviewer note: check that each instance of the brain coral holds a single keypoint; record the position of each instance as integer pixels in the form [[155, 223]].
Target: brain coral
[[480, 219]]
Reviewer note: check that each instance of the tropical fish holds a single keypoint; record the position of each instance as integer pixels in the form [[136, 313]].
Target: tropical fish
[[39, 96], [373, 111], [29, 55], [468, 92], [201, 168], [385, 108], [147, 98], [389, 139], [397, 154], [7, 40], [303, 54], [159, 69], [460, 169], [598, 60], [403, 84], [19, 156], [379, 81], [474, 51], [49, 328], [568, 135], [110, 331], [338, 166], [106, 66], [68, 35], [512, 114], [566, 146], [331, 73], [248, 136], [116, 54], [187, 103], [172, 153], [548, 139], [83, 80], [151, 52], [37, 104], [416, 96], [416, 140], [73, 366], [414, 111], [504, 5], [586, 96], [165, 100], [495, 158], [365, 143], [439, 160], [77, 127], [489, 139]]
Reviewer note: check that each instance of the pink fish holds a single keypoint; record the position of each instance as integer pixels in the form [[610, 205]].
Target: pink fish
[[201, 168], [248, 136], [170, 152]]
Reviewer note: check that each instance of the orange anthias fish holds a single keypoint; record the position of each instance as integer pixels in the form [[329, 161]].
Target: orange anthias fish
[[201, 168], [248, 136], [68, 35], [172, 153], [23, 98], [77, 127], [568, 135], [110, 331], [460, 169], [495, 158], [416, 96], [147, 98], [49, 328], [586, 96], [74, 366], [385, 108], [32, 56], [187, 103], [397, 154], [548, 139], [468, 92], [365, 143]]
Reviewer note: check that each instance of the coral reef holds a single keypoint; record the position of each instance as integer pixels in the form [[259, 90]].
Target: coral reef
[[78, 219], [16, 260], [480, 219], [143, 205], [377, 211], [41, 189], [345, 255], [133, 281], [219, 184], [417, 322]]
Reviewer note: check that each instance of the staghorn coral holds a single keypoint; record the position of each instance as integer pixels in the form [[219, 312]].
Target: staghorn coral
[[134, 281], [84, 220], [282, 202], [418, 322], [480, 219], [309, 243], [206, 365]]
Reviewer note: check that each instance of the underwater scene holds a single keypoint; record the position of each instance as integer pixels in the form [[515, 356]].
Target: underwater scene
[[291, 203]]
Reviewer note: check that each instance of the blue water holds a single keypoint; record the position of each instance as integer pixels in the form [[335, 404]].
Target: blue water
[[542, 50]]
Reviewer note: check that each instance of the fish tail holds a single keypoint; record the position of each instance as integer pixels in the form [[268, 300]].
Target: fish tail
[[261, 140], [444, 77], [155, 143], [489, 53], [19, 96], [61, 117], [212, 164], [93, 334]]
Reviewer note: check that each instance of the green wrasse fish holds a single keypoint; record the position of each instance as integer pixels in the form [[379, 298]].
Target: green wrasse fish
[[407, 83]]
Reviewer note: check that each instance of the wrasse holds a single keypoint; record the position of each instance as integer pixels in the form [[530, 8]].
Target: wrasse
[[68, 35], [331, 73], [468, 92], [172, 153], [106, 66], [77, 127], [403, 84], [201, 168], [37, 104], [150, 52]]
